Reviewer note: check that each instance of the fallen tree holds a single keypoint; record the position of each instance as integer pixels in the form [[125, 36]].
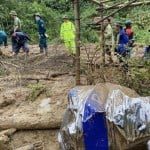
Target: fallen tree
[[46, 121]]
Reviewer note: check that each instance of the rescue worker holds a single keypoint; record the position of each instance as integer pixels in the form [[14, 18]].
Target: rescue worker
[[17, 22], [20, 41], [108, 39], [130, 34], [122, 44], [67, 35], [147, 49], [128, 29], [122, 40], [16, 26], [42, 33], [3, 38], [147, 52]]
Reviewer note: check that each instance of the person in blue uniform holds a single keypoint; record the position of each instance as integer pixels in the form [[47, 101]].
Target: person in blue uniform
[[122, 40], [20, 41], [3, 38], [42, 33]]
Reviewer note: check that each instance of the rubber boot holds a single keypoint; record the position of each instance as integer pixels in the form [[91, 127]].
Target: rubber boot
[[41, 50], [26, 55], [46, 52], [1, 52]]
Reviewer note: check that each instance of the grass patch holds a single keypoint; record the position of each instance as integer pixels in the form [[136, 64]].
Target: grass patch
[[35, 91]]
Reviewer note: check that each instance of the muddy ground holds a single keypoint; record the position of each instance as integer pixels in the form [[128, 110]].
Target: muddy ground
[[33, 95]]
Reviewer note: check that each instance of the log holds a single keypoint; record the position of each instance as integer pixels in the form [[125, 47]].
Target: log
[[28, 122], [122, 5], [37, 77], [43, 114], [27, 147], [40, 114], [35, 146]]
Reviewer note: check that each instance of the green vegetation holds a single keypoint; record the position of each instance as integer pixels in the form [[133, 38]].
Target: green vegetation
[[138, 77], [35, 91], [52, 12]]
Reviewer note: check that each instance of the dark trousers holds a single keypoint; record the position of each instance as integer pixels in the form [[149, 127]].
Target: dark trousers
[[3, 40], [17, 47], [108, 49], [42, 41]]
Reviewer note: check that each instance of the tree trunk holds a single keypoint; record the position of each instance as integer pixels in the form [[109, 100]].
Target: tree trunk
[[77, 25], [102, 34]]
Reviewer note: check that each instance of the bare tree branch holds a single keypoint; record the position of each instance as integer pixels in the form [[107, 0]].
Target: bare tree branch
[[114, 12], [106, 7], [105, 1], [98, 2]]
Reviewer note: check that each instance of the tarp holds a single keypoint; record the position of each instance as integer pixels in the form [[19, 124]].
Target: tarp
[[104, 117], [93, 123]]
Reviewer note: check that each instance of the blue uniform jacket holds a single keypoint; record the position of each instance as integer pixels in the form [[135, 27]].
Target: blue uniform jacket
[[3, 38], [122, 41], [41, 26], [21, 38], [123, 37]]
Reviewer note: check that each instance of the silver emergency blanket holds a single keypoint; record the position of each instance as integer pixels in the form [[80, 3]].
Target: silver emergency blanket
[[70, 136], [127, 115], [131, 115]]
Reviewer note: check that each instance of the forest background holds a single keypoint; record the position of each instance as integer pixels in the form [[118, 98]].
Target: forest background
[[52, 12]]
